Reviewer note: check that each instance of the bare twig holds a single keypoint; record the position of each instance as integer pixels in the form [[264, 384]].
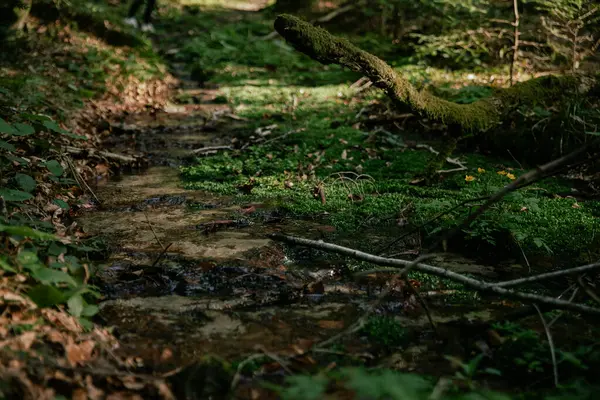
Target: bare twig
[[516, 35], [570, 299], [203, 150], [524, 256], [424, 305], [524, 179], [101, 153], [356, 326], [423, 225], [454, 161], [238, 374], [586, 288], [162, 253], [80, 179], [283, 136], [550, 275], [437, 271], [153, 231], [551, 344], [513, 157]]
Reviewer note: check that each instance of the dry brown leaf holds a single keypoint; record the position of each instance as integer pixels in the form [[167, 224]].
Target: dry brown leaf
[[56, 336], [130, 383], [164, 390], [79, 394], [79, 353], [327, 324], [92, 391], [63, 319], [25, 340], [166, 355], [11, 296], [59, 375], [123, 396]]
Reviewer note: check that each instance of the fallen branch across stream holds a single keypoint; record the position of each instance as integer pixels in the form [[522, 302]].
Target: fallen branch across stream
[[441, 272]]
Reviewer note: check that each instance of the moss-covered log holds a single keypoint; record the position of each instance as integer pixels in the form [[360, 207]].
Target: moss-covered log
[[478, 116]]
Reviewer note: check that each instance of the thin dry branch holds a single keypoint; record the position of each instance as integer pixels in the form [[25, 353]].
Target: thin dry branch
[[550, 343], [523, 180], [454, 161], [550, 275], [101, 153], [588, 290], [205, 150], [356, 326], [437, 271]]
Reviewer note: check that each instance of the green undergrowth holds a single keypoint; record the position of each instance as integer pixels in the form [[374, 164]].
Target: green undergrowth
[[47, 73], [55, 68], [314, 147], [365, 181]]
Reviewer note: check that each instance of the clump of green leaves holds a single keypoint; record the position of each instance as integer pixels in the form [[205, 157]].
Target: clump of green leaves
[[379, 384], [56, 275], [385, 331]]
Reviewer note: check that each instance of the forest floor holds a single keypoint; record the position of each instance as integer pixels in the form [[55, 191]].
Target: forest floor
[[254, 138]]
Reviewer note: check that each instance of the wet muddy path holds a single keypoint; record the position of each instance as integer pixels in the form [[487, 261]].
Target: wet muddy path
[[192, 274]]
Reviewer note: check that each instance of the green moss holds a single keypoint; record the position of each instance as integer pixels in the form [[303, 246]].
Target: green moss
[[365, 177]]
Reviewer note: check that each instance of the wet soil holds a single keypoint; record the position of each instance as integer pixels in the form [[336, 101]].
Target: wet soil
[[191, 273]]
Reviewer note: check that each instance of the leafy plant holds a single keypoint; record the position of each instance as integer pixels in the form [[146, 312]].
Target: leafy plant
[[385, 331], [467, 372]]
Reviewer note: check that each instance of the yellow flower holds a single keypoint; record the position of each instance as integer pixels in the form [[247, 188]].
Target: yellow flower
[[502, 172], [480, 170], [469, 178], [511, 176]]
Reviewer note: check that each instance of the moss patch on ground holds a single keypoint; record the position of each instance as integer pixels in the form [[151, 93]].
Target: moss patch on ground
[[320, 161]]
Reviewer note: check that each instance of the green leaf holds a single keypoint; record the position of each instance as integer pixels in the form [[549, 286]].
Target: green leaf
[[14, 195], [61, 203], [5, 127], [27, 232], [90, 310], [23, 129], [46, 296], [53, 126], [493, 371], [55, 167], [56, 249], [74, 136], [26, 182], [19, 160], [30, 261], [7, 146], [4, 265], [86, 324], [76, 306], [47, 276]]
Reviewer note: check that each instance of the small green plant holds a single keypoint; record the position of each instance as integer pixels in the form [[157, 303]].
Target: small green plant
[[60, 278], [385, 331], [468, 372], [365, 384]]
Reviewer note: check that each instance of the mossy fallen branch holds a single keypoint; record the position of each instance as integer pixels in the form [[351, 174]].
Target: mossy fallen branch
[[481, 115]]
